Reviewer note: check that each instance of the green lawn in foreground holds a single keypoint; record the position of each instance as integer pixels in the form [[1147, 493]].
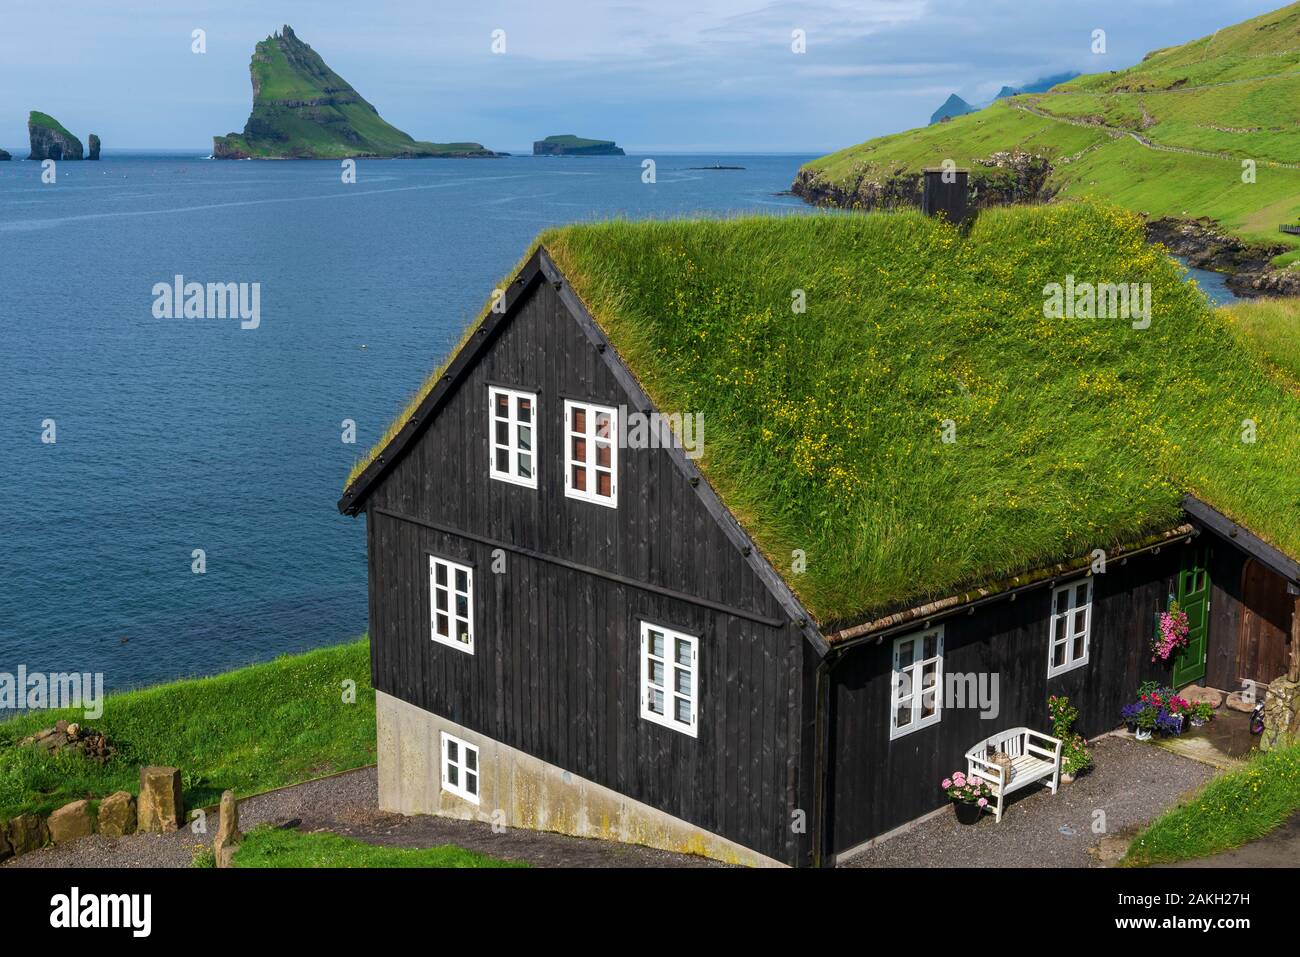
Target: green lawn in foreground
[[249, 730], [1233, 809], [270, 847]]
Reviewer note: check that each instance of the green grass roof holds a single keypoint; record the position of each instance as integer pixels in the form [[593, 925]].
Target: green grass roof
[[823, 430]]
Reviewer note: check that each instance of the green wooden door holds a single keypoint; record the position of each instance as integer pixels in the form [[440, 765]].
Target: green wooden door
[[1194, 599]]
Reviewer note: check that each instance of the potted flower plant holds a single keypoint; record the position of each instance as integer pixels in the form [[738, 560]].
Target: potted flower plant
[[1171, 632], [1201, 712], [969, 795], [1075, 757], [1145, 722]]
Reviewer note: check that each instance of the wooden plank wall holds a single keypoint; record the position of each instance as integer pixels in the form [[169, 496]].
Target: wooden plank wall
[[878, 784], [556, 666]]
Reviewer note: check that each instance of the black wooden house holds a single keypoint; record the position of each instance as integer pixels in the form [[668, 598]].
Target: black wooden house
[[574, 633]]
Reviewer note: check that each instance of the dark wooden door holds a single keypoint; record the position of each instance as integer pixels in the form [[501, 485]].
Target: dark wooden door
[[1264, 645]]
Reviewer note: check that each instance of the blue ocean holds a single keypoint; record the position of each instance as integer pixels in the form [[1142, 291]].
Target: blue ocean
[[132, 444]]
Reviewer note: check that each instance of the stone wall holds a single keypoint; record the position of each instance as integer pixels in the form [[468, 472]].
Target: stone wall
[[519, 790], [1281, 714]]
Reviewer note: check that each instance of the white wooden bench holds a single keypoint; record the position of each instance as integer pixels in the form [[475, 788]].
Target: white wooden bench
[[1034, 757]]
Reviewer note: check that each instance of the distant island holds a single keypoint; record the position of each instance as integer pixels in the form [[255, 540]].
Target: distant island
[[51, 140], [304, 110], [569, 145], [4, 156]]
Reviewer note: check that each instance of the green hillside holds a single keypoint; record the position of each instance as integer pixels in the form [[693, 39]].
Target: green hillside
[[1165, 137], [304, 110]]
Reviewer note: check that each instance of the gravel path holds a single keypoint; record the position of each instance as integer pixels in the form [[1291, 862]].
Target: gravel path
[[1132, 783], [347, 804]]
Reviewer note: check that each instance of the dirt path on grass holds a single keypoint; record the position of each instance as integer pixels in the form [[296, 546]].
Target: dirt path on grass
[[347, 804]]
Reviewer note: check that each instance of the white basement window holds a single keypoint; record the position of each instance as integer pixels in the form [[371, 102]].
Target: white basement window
[[451, 600], [916, 682], [513, 423], [669, 678], [1071, 624], [460, 768], [591, 453]]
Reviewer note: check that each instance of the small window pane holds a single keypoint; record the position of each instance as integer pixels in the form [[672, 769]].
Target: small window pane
[[1058, 654], [503, 460], [580, 478], [602, 454], [471, 759], [579, 420], [657, 673], [604, 486], [1078, 647], [471, 782], [525, 466], [904, 714], [503, 433], [683, 652], [579, 450], [905, 653], [1081, 595], [656, 701], [657, 644], [453, 751], [453, 775], [462, 606], [1060, 627], [1080, 619], [931, 646], [684, 710], [927, 704], [440, 599], [440, 573], [525, 438], [683, 681], [602, 425], [442, 626], [503, 405], [525, 410], [462, 580]]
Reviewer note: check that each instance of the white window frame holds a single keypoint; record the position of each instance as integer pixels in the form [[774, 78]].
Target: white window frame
[[461, 765], [670, 668], [511, 475], [1066, 612], [589, 463], [452, 592], [900, 679]]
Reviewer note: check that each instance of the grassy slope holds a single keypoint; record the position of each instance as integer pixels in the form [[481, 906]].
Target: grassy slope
[[571, 141], [1245, 81], [1231, 810], [270, 847], [1272, 327], [320, 134], [44, 119], [823, 429], [250, 730]]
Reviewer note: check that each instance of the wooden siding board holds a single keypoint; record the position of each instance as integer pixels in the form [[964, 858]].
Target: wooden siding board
[[557, 651]]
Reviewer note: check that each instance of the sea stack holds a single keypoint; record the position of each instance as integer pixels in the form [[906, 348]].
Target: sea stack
[[50, 140], [566, 144], [304, 110], [94, 147]]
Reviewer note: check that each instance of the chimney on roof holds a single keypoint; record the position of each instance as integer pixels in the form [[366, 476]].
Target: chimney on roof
[[944, 194]]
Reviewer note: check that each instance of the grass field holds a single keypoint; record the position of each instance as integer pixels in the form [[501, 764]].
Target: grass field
[[271, 847], [1272, 328], [1236, 94], [825, 428], [249, 730], [1231, 810]]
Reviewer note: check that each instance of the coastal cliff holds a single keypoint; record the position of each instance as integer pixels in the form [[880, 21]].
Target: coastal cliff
[[567, 144], [49, 139], [304, 110]]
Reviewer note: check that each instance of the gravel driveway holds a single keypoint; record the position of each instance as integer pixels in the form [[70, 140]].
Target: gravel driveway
[[347, 804], [1132, 783]]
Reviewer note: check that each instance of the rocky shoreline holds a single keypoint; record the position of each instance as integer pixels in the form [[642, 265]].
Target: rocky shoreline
[[1016, 177]]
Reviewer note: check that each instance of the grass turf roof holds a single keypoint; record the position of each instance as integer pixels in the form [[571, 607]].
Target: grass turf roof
[[823, 429]]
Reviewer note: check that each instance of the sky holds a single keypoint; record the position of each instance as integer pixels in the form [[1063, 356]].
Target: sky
[[655, 75]]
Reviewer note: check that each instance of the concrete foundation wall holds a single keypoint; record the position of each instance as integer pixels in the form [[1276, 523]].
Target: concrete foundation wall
[[518, 790]]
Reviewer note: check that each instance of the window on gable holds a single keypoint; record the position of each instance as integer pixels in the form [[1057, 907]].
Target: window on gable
[[460, 770], [916, 683], [669, 678], [1071, 623], [591, 453], [451, 594], [513, 421]]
